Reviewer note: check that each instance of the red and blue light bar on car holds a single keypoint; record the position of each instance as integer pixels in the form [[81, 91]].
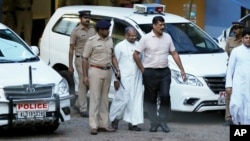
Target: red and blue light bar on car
[[149, 8]]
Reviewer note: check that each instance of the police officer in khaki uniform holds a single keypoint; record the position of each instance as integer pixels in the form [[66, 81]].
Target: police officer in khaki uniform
[[231, 43], [24, 15], [97, 60], [78, 39], [236, 39], [8, 13]]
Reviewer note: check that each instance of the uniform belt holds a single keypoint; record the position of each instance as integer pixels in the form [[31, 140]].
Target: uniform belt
[[99, 67], [7, 12], [79, 56], [23, 9]]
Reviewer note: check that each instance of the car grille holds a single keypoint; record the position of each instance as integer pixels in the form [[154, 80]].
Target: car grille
[[27, 92], [216, 84]]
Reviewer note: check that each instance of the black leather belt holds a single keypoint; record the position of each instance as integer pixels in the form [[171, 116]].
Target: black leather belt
[[99, 67], [7, 12], [23, 9], [79, 56]]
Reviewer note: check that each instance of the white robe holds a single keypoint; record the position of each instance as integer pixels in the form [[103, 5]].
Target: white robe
[[238, 77], [128, 103]]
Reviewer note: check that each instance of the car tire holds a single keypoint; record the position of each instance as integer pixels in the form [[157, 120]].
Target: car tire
[[70, 79]]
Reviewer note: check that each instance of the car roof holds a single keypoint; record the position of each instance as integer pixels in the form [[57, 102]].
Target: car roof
[[121, 13]]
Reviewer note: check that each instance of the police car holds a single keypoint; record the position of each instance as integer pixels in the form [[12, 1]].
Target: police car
[[32, 94], [203, 60]]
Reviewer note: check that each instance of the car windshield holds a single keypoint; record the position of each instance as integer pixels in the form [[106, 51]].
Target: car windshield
[[13, 49], [188, 38]]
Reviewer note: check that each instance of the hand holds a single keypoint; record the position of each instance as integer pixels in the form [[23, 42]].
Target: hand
[[117, 75], [71, 70], [86, 81], [183, 75], [229, 90]]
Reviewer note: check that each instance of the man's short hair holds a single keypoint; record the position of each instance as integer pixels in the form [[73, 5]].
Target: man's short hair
[[246, 31], [157, 19]]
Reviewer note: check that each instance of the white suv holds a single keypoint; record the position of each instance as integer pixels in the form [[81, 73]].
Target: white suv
[[204, 61], [32, 94]]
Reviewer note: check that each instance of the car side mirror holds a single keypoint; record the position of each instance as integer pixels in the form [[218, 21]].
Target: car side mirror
[[216, 40], [35, 50]]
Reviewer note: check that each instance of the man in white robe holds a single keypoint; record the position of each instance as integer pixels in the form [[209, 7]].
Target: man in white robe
[[127, 104], [238, 81]]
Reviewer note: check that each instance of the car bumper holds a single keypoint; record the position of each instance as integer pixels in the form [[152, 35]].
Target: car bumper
[[194, 99], [58, 111]]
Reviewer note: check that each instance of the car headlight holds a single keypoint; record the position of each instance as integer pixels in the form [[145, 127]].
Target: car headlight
[[63, 87], [191, 79]]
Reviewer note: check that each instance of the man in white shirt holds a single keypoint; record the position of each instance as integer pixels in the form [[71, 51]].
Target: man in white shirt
[[238, 81]]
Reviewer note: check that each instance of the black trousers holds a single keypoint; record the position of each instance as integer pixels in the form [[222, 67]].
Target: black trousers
[[157, 84]]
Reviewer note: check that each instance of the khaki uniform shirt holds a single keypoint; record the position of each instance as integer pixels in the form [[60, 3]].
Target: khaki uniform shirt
[[79, 36], [99, 51], [231, 43]]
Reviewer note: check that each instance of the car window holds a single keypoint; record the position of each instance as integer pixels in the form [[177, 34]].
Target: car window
[[118, 33], [187, 38], [67, 23], [13, 49]]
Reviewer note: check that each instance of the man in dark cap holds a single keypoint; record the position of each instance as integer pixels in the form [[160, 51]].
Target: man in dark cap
[[234, 41], [231, 43], [78, 39], [98, 58]]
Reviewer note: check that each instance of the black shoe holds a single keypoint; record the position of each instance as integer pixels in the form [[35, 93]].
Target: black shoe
[[165, 127], [228, 123], [93, 131], [153, 128], [133, 127], [84, 114], [114, 124]]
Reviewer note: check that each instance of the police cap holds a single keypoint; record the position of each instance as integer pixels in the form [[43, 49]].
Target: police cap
[[84, 13], [237, 23], [103, 24]]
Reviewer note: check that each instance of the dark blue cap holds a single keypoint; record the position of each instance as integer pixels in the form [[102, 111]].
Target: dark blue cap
[[103, 24], [237, 23], [84, 13]]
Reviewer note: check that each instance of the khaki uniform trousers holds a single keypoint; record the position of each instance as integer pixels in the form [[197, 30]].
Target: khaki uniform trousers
[[227, 112], [24, 23], [99, 82], [81, 101]]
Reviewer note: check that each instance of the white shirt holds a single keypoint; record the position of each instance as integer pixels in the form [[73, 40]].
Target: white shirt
[[238, 77]]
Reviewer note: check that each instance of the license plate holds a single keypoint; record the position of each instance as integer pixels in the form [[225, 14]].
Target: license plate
[[222, 98], [31, 114], [32, 110], [37, 106]]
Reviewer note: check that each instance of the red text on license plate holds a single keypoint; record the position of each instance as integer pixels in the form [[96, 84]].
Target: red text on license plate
[[32, 106]]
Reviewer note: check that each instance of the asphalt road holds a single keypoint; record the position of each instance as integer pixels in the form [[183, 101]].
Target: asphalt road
[[207, 126]]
